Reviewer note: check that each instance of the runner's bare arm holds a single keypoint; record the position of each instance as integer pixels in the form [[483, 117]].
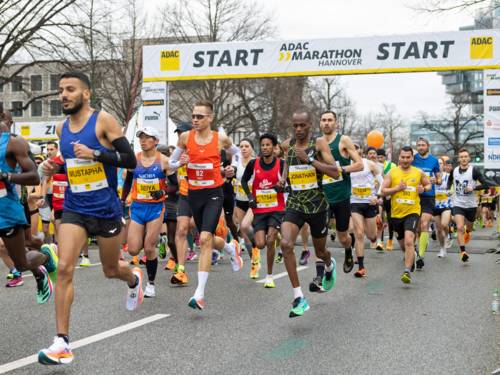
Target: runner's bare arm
[[19, 148], [327, 165], [425, 182], [386, 186], [357, 164]]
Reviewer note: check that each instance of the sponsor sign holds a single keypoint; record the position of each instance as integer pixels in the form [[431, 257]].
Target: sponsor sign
[[37, 131], [491, 99], [154, 108], [460, 50]]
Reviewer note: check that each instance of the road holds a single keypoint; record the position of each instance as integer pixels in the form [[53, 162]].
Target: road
[[440, 324]]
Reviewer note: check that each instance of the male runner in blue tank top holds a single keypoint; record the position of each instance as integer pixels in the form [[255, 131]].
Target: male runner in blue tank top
[[93, 146]]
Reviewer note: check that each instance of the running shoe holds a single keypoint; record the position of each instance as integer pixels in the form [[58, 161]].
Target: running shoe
[[316, 286], [348, 264], [333, 236], [215, 257], [51, 263], [442, 253], [150, 292], [162, 248], [179, 278], [299, 307], [191, 256], [236, 259], [10, 276], [134, 261], [390, 245], [448, 243], [135, 295], [467, 237], [464, 257], [279, 258], [304, 257], [196, 303], [59, 353], [420, 262], [44, 287], [330, 277], [16, 281], [170, 264], [85, 262], [379, 246], [406, 278], [254, 270], [269, 283], [142, 260], [360, 273]]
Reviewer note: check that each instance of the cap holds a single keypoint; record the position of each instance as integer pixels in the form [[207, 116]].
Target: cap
[[381, 152], [148, 130], [183, 127]]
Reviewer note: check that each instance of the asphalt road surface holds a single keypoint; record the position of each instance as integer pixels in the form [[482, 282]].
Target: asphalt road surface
[[440, 324]]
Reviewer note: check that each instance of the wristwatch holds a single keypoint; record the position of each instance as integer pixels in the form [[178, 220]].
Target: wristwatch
[[96, 154], [310, 159]]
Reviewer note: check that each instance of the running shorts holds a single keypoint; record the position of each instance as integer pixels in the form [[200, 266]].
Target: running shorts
[[366, 210], [439, 211], [266, 220], [143, 213], [206, 206], [183, 208], [403, 224], [318, 222], [94, 226], [468, 213], [170, 211], [428, 204], [242, 205], [342, 213]]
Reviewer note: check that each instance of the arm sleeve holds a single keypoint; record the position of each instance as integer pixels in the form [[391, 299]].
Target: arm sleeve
[[127, 185], [173, 183], [478, 176], [450, 181], [236, 154], [123, 157], [173, 162], [247, 175]]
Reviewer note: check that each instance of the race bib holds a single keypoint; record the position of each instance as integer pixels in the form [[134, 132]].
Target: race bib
[[330, 180], [362, 192], [441, 197], [200, 174], [145, 186], [58, 189], [302, 177], [3, 189], [266, 198], [405, 201], [86, 175]]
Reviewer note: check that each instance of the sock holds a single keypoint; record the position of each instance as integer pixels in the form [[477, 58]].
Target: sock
[[329, 268], [228, 248], [407, 270], [462, 248], [348, 252], [320, 268], [353, 240], [136, 282], [360, 262], [422, 243], [297, 292], [64, 337], [199, 293], [180, 268], [151, 267]]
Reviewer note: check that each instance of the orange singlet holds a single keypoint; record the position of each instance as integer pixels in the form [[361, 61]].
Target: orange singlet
[[203, 169]]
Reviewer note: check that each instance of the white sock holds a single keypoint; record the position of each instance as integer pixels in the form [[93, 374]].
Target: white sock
[[329, 268], [229, 248], [297, 292], [199, 293]]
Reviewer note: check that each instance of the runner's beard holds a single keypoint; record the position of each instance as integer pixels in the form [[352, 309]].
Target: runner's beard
[[71, 111]]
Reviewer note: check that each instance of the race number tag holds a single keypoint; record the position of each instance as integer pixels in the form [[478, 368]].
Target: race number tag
[[3, 189], [58, 189], [86, 175], [362, 192], [266, 198], [200, 174], [441, 197], [302, 177], [408, 195], [145, 186], [330, 180]]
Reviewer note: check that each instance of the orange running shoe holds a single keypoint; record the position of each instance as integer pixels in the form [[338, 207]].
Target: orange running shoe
[[180, 277], [170, 264], [360, 273], [390, 245], [135, 261], [464, 256], [467, 236]]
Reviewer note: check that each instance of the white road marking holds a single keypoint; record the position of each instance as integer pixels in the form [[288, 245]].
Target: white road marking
[[91, 265], [86, 341], [282, 274]]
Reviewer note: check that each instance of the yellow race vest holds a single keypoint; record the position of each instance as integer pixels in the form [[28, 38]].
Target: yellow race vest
[[405, 202]]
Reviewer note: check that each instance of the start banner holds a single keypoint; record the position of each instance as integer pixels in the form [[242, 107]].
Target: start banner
[[459, 50]]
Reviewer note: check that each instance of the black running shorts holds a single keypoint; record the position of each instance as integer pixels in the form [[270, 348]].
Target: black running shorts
[[341, 211], [94, 226], [428, 204], [366, 210], [206, 206], [266, 220], [318, 222], [183, 208], [468, 213], [403, 224]]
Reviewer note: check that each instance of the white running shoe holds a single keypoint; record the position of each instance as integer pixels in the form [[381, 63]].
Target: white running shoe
[[85, 262], [442, 253], [135, 295], [448, 242], [59, 353], [149, 292], [236, 260]]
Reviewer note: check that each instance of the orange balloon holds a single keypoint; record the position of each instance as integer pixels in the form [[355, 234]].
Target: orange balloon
[[375, 138]]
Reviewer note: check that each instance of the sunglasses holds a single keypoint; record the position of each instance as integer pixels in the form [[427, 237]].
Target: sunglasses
[[198, 116]]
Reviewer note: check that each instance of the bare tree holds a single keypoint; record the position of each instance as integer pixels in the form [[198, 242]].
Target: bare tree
[[390, 122], [442, 6]]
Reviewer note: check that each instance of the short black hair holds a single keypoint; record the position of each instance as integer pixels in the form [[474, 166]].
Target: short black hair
[[325, 112], [304, 110], [77, 74], [53, 143], [406, 149], [381, 152], [270, 136]]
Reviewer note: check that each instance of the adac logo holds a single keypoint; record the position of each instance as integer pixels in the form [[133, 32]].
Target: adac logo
[[265, 184], [481, 47], [170, 60]]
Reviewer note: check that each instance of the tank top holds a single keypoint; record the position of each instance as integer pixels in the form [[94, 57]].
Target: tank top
[[238, 189], [340, 189], [363, 185], [147, 180], [460, 197], [306, 194], [59, 185], [443, 199], [11, 209], [203, 169], [406, 202], [92, 185], [267, 199]]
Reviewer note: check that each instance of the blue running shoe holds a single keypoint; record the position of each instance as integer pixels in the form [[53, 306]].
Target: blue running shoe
[[299, 307], [196, 303], [330, 277], [44, 288], [51, 264]]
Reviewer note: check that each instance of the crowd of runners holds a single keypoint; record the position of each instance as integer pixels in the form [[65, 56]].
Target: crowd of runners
[[206, 198]]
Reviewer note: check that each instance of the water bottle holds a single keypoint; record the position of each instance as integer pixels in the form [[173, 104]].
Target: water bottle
[[495, 304]]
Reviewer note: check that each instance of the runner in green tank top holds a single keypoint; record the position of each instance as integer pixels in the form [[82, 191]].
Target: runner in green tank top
[[386, 206], [338, 191], [307, 161]]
